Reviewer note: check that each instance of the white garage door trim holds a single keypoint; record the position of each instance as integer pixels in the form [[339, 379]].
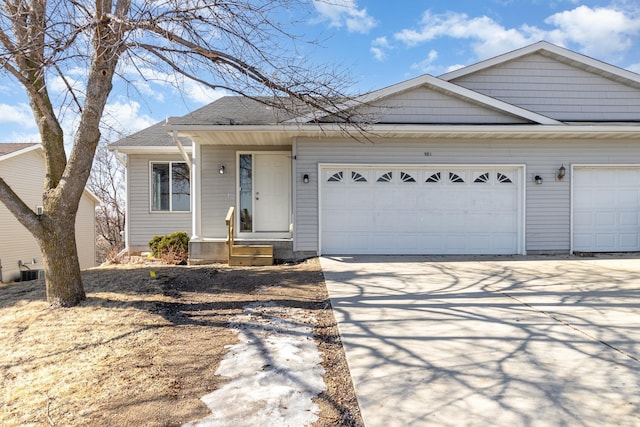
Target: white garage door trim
[[519, 171], [618, 241]]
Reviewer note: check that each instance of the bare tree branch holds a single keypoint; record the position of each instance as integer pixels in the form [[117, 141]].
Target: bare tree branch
[[19, 209], [243, 46]]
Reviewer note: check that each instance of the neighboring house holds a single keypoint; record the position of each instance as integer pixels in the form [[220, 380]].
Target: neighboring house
[[22, 167], [534, 151]]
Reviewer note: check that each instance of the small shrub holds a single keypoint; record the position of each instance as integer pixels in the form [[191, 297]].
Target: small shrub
[[172, 248]]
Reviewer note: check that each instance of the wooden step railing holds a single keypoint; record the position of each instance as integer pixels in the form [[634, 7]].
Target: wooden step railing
[[245, 254], [230, 220]]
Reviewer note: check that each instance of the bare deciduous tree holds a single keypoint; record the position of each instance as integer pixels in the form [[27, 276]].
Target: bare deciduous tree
[[107, 183], [242, 46]]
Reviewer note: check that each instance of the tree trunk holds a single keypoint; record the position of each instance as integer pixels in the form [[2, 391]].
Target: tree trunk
[[61, 266]]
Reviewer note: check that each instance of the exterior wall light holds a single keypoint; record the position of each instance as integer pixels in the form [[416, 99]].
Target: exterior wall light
[[538, 179], [562, 172], [305, 178], [221, 169]]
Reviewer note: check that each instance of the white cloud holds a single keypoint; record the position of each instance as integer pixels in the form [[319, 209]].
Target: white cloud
[[22, 137], [426, 65], [345, 13], [59, 85], [491, 38], [19, 114], [598, 31], [123, 118], [634, 67], [201, 94], [156, 85], [454, 67], [379, 48]]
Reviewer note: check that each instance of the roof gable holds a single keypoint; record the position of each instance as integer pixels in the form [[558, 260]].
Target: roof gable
[[557, 83], [405, 96], [427, 105], [553, 51]]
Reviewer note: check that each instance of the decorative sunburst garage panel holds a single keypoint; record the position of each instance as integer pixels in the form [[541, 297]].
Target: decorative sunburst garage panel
[[421, 210]]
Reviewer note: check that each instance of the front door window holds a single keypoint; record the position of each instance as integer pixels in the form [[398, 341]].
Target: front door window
[[246, 192]]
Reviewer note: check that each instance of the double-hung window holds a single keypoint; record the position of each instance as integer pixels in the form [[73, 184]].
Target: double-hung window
[[170, 188]]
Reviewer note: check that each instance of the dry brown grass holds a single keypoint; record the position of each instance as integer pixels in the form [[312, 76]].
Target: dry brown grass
[[143, 350]]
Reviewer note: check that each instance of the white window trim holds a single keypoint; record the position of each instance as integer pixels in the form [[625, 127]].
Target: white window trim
[[170, 211]]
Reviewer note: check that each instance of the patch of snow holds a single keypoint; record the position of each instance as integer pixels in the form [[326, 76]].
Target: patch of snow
[[274, 371]]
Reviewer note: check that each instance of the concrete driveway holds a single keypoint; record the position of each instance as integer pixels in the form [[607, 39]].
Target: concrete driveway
[[504, 341]]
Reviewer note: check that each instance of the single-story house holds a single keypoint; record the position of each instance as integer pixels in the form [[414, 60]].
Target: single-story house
[[534, 151], [22, 167]]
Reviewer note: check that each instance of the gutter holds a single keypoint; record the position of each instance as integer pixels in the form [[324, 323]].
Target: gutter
[[416, 130]]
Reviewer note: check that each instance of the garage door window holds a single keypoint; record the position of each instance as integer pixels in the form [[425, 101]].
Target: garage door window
[[434, 178], [336, 177], [454, 177], [504, 178], [484, 178], [405, 177], [386, 177], [357, 177]]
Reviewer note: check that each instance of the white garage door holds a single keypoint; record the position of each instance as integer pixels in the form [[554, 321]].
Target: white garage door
[[421, 210], [606, 209]]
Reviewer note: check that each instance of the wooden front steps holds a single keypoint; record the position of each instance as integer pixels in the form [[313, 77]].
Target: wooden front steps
[[247, 255], [251, 255]]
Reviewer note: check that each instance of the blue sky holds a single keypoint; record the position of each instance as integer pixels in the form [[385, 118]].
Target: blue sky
[[383, 42]]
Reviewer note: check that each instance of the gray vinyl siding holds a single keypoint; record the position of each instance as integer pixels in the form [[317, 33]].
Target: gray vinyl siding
[[547, 205], [219, 190], [425, 105], [557, 90], [142, 224]]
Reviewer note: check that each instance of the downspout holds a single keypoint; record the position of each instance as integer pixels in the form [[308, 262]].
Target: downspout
[[184, 154], [123, 161], [119, 158]]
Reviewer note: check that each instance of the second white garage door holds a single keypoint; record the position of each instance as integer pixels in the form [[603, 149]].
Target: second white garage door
[[606, 209], [421, 210]]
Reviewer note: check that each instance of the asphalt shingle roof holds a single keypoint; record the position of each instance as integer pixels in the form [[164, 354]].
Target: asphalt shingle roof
[[153, 136], [234, 110], [226, 111]]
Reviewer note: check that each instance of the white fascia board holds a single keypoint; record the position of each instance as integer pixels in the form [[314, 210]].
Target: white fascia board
[[21, 152], [544, 46], [508, 131], [92, 196], [449, 131], [149, 149]]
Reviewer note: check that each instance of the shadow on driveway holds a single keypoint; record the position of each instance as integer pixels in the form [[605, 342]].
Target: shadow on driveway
[[490, 341]]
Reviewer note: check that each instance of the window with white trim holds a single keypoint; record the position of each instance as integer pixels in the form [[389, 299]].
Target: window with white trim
[[170, 187]]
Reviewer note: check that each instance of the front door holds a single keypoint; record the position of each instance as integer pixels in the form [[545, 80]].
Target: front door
[[264, 192]]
